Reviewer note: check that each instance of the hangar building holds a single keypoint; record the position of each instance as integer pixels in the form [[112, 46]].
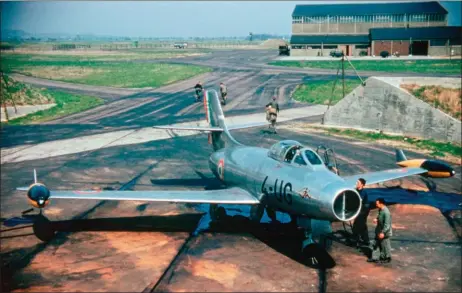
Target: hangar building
[[416, 28]]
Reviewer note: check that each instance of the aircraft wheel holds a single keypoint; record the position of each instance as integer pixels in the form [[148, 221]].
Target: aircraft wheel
[[43, 229]]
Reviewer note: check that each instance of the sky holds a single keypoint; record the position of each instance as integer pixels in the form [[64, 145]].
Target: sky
[[161, 18]]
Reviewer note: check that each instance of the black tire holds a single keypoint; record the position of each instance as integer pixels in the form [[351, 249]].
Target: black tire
[[43, 229]]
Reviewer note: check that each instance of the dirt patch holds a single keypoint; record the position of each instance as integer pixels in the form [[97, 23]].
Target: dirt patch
[[275, 43], [445, 99], [59, 73], [20, 94]]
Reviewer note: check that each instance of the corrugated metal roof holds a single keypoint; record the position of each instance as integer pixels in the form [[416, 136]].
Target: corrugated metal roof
[[330, 39], [352, 9], [421, 33]]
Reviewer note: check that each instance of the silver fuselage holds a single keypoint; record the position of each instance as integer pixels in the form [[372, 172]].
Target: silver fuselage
[[282, 185]]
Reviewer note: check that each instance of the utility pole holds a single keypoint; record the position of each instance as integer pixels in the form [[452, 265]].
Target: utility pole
[[343, 74]]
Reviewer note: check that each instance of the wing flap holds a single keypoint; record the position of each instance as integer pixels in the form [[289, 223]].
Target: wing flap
[[224, 196], [386, 175]]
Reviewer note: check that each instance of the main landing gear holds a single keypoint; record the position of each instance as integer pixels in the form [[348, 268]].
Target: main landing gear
[[43, 228], [313, 254]]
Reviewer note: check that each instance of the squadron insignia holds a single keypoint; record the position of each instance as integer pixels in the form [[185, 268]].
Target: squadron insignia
[[221, 169], [304, 193]]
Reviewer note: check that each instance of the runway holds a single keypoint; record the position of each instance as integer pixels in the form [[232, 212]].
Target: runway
[[134, 246]]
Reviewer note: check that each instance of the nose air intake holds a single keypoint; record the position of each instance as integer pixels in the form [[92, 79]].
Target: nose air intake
[[346, 205]]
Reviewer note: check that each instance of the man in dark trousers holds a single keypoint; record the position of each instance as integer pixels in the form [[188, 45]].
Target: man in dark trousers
[[360, 231], [224, 92], [383, 232], [198, 87], [272, 110]]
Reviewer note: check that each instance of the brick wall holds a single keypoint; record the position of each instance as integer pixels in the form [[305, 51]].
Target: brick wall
[[391, 46]]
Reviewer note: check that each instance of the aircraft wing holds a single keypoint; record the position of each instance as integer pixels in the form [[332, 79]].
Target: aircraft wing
[[381, 176], [223, 196]]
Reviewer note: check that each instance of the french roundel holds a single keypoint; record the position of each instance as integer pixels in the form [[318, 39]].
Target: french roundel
[[221, 169]]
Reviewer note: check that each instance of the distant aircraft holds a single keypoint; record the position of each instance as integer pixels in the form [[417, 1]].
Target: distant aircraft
[[289, 177]]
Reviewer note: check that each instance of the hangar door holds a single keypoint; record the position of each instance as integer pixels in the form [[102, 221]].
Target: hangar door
[[419, 48]]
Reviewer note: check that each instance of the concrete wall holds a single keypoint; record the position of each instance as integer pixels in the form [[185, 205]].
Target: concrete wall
[[381, 105], [443, 50]]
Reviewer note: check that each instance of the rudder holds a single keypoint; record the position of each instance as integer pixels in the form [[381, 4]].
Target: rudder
[[216, 118]]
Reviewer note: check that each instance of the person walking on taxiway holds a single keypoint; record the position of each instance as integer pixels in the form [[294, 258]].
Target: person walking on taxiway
[[272, 110]]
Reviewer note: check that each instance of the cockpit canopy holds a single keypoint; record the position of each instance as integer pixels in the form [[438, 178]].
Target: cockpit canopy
[[293, 152], [279, 150]]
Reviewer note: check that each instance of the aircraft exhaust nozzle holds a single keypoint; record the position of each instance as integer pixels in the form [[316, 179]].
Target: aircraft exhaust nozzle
[[346, 205], [38, 195]]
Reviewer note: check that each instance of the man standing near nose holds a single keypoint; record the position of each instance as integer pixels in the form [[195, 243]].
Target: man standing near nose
[[360, 231]]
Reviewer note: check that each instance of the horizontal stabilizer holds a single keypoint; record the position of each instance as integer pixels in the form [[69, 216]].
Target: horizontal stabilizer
[[213, 129], [194, 128], [247, 125]]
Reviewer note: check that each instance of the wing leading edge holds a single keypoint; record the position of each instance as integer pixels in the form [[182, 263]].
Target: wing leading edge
[[386, 175], [224, 196]]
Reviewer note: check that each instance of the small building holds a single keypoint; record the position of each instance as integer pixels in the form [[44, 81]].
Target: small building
[[320, 28]]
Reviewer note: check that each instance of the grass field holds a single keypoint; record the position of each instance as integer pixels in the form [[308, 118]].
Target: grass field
[[66, 104], [93, 70], [448, 100], [423, 66], [319, 92]]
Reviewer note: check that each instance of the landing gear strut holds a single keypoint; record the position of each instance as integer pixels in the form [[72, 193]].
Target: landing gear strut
[[43, 228], [314, 254]]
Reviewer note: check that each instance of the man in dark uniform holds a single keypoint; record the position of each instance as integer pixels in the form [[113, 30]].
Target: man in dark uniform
[[199, 90], [383, 232], [360, 231]]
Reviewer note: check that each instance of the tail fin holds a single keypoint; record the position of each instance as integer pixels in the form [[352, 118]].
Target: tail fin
[[219, 136], [216, 118], [400, 157]]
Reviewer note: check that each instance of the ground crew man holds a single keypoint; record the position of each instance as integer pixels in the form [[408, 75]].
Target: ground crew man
[[198, 87], [383, 232], [224, 92], [360, 231], [272, 110]]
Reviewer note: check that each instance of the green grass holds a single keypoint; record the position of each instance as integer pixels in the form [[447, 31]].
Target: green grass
[[319, 92], [437, 148], [66, 104], [105, 73], [423, 66]]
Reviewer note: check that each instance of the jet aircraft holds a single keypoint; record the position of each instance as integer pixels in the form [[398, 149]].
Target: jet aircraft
[[289, 177]]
